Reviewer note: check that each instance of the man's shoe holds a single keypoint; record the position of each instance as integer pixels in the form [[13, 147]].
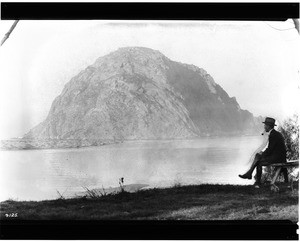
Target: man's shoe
[[246, 176], [257, 184]]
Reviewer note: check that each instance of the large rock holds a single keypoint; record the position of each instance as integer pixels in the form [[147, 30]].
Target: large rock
[[138, 93]]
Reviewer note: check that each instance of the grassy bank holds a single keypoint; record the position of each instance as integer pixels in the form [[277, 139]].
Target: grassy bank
[[199, 202]]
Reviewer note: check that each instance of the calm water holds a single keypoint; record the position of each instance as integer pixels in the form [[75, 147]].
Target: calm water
[[39, 174]]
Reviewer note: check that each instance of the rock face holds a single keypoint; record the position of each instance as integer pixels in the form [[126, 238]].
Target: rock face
[[138, 93]]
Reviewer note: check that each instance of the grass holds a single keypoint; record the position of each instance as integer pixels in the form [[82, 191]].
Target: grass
[[194, 202]]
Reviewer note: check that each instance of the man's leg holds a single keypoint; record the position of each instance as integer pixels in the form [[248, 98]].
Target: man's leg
[[248, 174], [256, 161], [258, 173], [263, 162], [285, 174]]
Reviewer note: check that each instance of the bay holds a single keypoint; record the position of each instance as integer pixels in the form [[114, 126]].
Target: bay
[[41, 174]]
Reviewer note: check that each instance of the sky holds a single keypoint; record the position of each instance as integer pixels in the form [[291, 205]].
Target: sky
[[256, 62]]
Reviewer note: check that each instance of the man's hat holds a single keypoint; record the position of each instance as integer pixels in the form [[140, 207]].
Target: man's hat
[[270, 121]]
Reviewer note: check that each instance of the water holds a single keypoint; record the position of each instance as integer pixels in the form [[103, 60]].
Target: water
[[39, 174]]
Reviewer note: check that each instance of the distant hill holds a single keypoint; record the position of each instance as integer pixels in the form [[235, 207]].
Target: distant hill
[[138, 93]]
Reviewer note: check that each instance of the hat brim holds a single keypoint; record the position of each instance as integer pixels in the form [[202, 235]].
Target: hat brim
[[269, 123]]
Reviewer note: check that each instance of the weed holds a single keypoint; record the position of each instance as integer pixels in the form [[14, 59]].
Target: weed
[[121, 183], [12, 199], [61, 197], [177, 182], [93, 193], [104, 192]]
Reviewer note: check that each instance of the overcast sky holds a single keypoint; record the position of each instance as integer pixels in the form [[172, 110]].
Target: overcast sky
[[257, 62]]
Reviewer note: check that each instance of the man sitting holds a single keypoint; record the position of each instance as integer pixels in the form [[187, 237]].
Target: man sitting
[[275, 153]]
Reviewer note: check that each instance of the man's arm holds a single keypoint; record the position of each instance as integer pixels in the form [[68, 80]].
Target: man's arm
[[271, 145]]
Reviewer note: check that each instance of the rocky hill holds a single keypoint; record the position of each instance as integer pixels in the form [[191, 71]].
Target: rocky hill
[[138, 93]]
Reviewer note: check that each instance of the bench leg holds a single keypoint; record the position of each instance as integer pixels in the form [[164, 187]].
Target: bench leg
[[273, 186], [278, 169]]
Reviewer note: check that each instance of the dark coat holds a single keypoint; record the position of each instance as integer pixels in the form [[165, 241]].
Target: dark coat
[[276, 151]]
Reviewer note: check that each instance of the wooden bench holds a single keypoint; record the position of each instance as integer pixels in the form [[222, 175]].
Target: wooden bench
[[278, 168]]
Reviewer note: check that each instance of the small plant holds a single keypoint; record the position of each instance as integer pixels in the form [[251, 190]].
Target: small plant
[[290, 131], [177, 182], [93, 193], [121, 183], [61, 197], [104, 193], [97, 193], [12, 199]]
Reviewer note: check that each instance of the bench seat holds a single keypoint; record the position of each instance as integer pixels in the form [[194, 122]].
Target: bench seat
[[294, 163]]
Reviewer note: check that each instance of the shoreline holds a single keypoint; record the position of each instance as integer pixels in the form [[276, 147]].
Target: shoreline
[[19, 144]]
